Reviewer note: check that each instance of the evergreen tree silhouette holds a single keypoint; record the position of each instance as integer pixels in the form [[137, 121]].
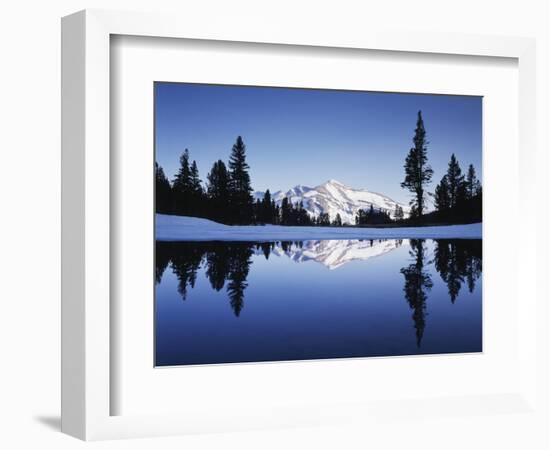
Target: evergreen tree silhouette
[[267, 208], [277, 213], [375, 216], [286, 212], [257, 212], [473, 186], [418, 172], [182, 186], [218, 192], [197, 193], [196, 186], [241, 200], [163, 192], [442, 200], [398, 213], [455, 181], [324, 220]]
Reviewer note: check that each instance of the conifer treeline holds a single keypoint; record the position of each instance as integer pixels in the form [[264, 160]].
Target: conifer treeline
[[456, 198], [374, 216], [227, 197]]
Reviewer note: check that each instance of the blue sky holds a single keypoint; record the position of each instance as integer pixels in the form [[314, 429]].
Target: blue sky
[[306, 136]]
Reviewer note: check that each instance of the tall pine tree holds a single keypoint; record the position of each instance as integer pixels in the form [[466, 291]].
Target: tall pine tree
[[442, 200], [218, 191], [239, 187], [196, 186], [182, 186], [197, 206], [286, 212], [455, 181], [418, 172], [267, 213]]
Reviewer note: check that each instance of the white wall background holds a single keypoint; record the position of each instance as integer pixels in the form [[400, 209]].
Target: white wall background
[[30, 196]]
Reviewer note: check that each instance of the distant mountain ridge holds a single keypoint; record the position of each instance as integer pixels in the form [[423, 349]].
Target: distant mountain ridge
[[333, 197]]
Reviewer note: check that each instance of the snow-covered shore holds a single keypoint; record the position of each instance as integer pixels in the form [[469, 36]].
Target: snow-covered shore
[[178, 228]]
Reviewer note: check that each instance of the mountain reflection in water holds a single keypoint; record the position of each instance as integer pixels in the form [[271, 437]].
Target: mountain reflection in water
[[451, 265]]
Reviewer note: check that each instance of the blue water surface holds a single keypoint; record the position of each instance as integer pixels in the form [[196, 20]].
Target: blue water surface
[[228, 302]]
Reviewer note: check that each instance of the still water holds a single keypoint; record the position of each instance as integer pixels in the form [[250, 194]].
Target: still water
[[225, 302]]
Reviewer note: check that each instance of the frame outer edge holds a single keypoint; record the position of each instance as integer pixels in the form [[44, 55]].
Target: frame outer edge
[[73, 99], [528, 203], [97, 228], [85, 150]]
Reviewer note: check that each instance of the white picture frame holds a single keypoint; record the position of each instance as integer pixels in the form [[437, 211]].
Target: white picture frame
[[86, 218]]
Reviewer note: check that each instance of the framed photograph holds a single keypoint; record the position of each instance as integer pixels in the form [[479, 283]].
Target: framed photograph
[[266, 228], [249, 236]]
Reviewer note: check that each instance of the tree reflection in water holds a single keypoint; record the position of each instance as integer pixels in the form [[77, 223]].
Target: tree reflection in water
[[458, 261], [227, 265], [417, 283], [223, 261]]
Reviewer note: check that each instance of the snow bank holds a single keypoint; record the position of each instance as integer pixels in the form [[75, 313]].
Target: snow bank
[[178, 228]]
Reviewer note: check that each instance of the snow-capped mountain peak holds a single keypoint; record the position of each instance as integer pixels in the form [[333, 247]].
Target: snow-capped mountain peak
[[334, 197], [333, 182]]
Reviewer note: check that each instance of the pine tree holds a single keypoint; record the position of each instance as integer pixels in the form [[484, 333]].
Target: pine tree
[[196, 186], [455, 181], [398, 214], [324, 220], [163, 191], [258, 212], [181, 186], [197, 192], [473, 186], [218, 182], [218, 192], [267, 208], [286, 211], [300, 215], [362, 217], [418, 172], [239, 187], [442, 199], [337, 220]]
